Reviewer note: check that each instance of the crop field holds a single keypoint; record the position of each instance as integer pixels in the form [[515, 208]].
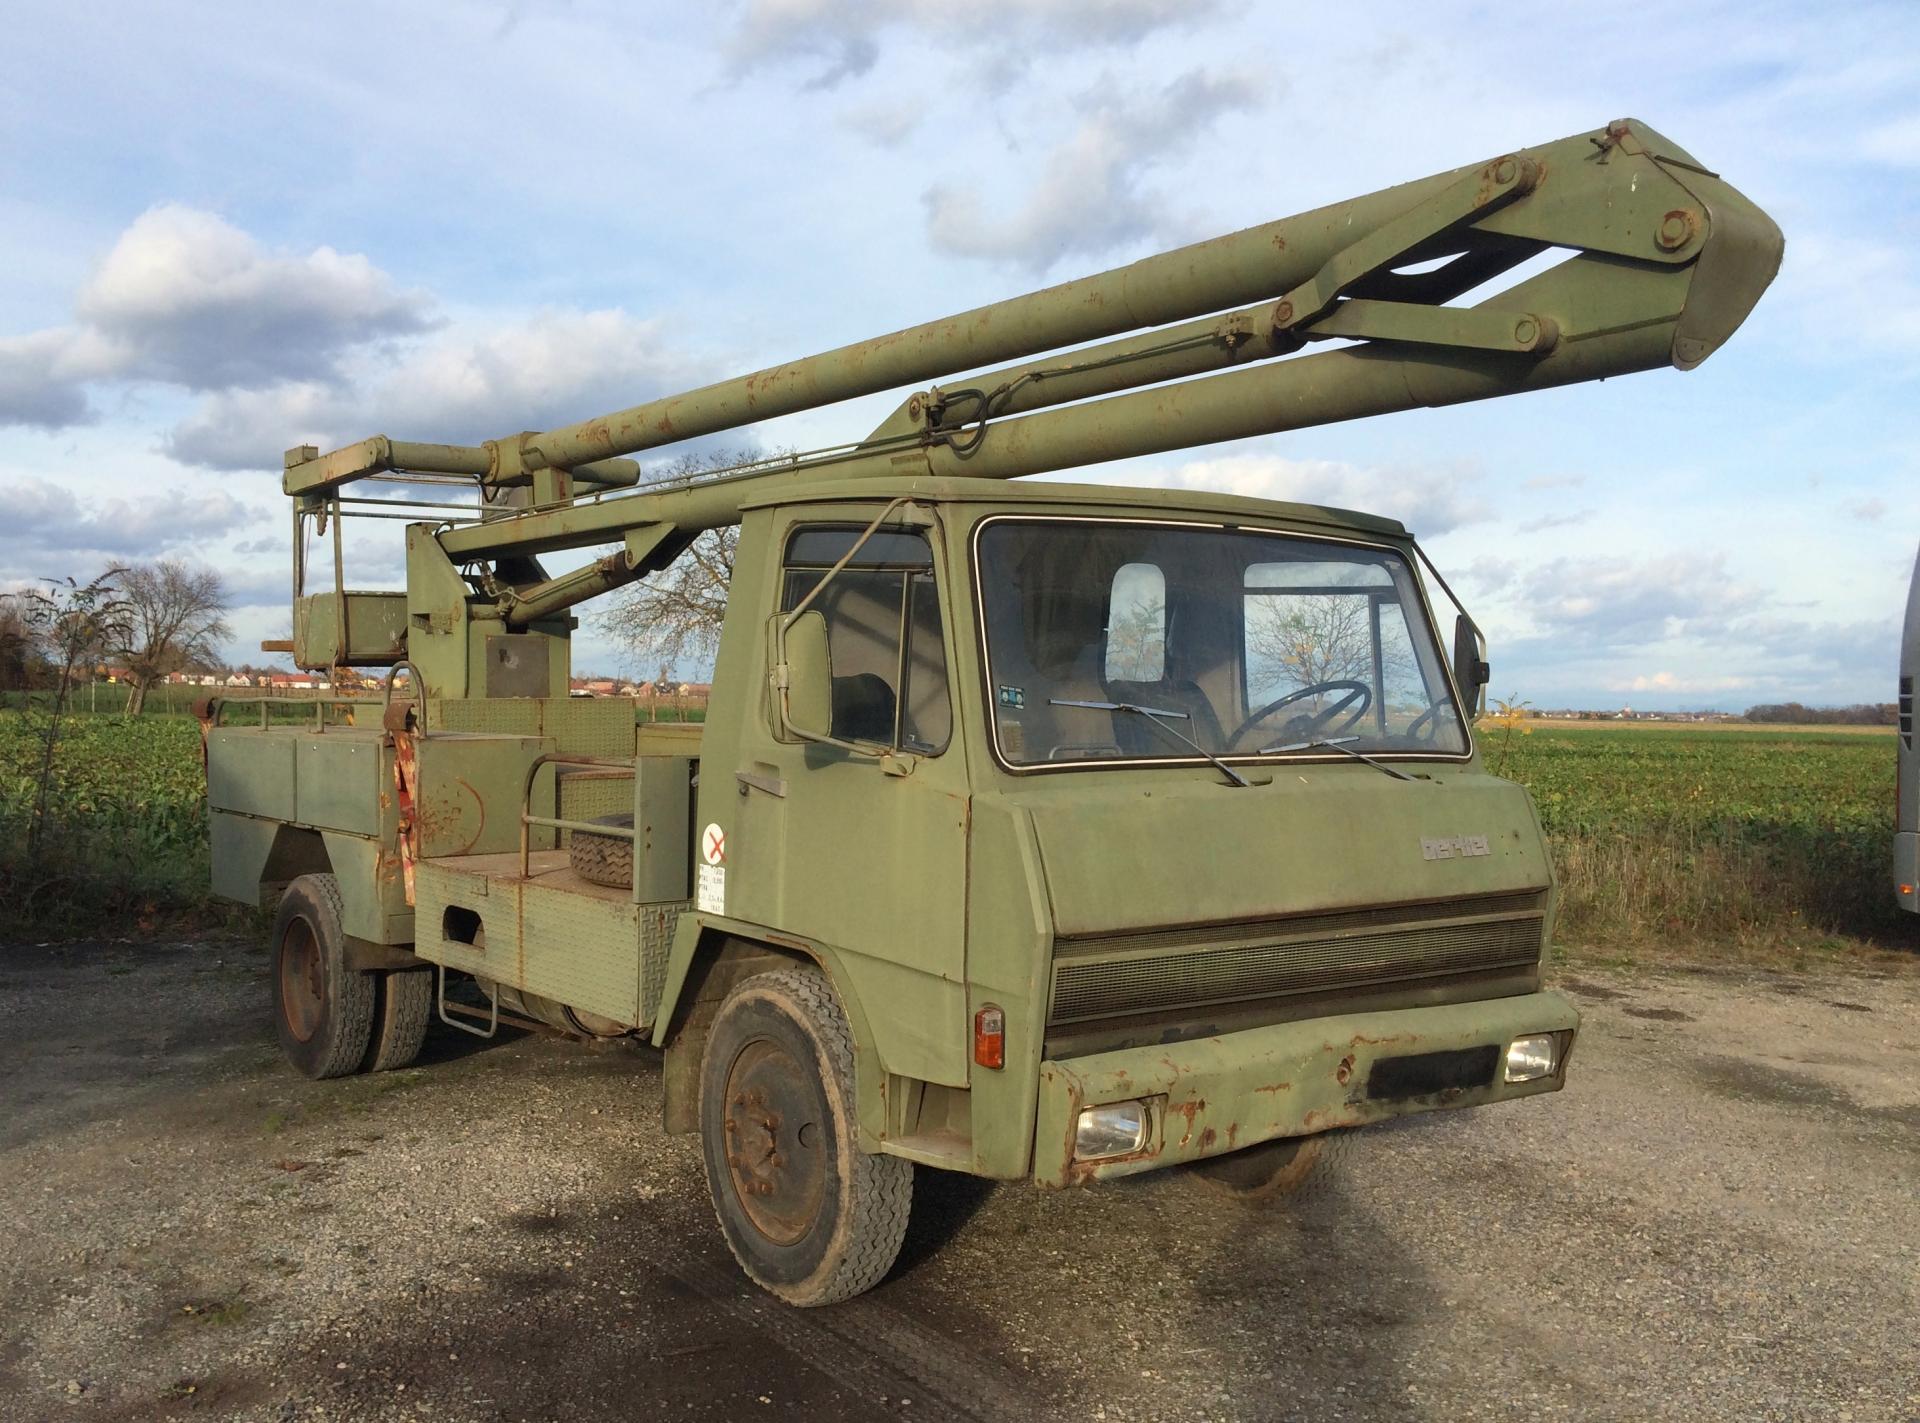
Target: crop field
[[1678, 835], [124, 835], [1691, 833]]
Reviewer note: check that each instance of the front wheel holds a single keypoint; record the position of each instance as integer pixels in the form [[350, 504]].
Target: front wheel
[[322, 1010], [810, 1216]]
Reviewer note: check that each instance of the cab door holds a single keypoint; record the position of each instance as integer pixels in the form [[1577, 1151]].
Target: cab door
[[865, 850]]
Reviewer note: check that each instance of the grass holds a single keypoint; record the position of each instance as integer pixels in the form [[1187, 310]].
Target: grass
[[1763, 845], [1745, 841], [125, 840]]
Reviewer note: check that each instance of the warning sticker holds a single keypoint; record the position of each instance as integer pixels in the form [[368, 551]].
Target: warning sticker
[[710, 877], [710, 889]]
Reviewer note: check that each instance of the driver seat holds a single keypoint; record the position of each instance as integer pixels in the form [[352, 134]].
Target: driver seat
[[1183, 696]]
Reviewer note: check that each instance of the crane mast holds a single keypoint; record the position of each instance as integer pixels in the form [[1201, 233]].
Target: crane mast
[[1662, 262]]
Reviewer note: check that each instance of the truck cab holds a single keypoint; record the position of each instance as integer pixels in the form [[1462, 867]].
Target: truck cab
[[1147, 780]]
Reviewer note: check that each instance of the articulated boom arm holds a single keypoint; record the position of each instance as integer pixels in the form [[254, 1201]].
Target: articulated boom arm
[[1663, 262]]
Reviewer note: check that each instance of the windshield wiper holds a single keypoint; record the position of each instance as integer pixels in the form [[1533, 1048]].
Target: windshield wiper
[[1153, 715], [1336, 743]]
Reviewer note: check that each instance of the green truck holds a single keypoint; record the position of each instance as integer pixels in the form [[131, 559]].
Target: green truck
[[1042, 831]]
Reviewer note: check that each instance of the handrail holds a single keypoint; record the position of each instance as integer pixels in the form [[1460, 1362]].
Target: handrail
[[416, 681], [218, 704], [528, 819]]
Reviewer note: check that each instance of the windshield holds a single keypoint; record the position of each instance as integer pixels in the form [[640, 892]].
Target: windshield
[[1243, 643]]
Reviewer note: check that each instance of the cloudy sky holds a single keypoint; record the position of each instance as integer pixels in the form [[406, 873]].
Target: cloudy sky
[[225, 230]]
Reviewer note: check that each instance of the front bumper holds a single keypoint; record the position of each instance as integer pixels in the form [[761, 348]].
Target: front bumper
[[1215, 1095]]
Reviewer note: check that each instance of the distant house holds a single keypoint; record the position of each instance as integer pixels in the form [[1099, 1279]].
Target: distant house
[[295, 682]]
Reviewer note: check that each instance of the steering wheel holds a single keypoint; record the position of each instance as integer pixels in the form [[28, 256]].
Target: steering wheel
[[1359, 696], [1430, 721]]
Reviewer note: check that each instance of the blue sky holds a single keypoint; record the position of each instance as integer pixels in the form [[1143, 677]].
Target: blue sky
[[229, 229]]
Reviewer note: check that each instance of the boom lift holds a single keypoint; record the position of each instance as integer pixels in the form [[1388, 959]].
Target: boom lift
[[1035, 831]]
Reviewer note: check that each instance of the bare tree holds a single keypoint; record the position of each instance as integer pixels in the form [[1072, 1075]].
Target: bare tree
[[176, 617], [1308, 640], [676, 613], [77, 623], [19, 642]]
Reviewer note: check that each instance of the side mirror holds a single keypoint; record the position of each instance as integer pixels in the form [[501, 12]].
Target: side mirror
[[1470, 670], [808, 708]]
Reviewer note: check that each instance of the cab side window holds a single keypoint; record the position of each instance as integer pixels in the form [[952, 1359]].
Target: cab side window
[[883, 632]]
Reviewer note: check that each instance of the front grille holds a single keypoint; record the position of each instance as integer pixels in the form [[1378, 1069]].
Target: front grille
[[1428, 1074], [1324, 953]]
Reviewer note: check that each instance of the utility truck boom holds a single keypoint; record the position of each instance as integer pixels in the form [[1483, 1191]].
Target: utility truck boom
[[1035, 831]]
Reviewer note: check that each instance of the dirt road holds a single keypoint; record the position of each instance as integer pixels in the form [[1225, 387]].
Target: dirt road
[[1719, 1219]]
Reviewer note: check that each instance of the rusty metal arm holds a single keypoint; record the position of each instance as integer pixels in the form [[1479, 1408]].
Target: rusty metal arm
[[1667, 261], [310, 472], [650, 547]]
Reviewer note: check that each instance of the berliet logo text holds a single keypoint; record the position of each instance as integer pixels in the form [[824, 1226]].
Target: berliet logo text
[[1454, 847]]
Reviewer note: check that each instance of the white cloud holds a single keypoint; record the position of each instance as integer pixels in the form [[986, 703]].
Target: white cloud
[[1848, 293], [188, 298], [1428, 501], [1669, 682], [1896, 143], [1626, 602], [1869, 510], [1091, 194], [461, 386], [1554, 521], [51, 529], [845, 35], [185, 298], [887, 124], [39, 384]]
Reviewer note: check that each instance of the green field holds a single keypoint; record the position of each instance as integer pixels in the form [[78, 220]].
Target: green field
[[1701, 832], [125, 836], [1662, 836]]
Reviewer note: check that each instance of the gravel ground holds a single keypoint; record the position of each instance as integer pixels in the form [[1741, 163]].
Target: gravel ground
[[1718, 1219]]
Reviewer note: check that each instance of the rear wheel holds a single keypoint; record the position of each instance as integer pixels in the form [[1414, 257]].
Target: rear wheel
[[402, 1004], [1296, 1168], [322, 1010], [808, 1214]]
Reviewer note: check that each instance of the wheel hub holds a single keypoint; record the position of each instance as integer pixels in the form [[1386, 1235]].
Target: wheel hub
[[773, 1141], [303, 980]]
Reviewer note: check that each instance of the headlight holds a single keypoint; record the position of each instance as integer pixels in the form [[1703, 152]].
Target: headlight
[[1531, 1058], [1119, 1129]]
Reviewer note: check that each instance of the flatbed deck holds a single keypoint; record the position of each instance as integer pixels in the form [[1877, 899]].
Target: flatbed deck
[[548, 869]]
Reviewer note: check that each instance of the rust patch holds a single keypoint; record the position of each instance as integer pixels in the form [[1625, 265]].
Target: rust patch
[[1276, 1087], [1344, 1070], [1362, 1040], [1189, 1109]]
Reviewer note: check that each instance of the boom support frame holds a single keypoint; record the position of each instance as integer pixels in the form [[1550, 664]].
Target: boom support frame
[[1664, 262]]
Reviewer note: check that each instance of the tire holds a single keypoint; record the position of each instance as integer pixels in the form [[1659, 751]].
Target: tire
[[777, 1114], [322, 1010], [402, 1007], [1293, 1168], [603, 859]]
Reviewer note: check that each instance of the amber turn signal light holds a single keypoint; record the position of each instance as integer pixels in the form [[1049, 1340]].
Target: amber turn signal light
[[990, 1037]]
